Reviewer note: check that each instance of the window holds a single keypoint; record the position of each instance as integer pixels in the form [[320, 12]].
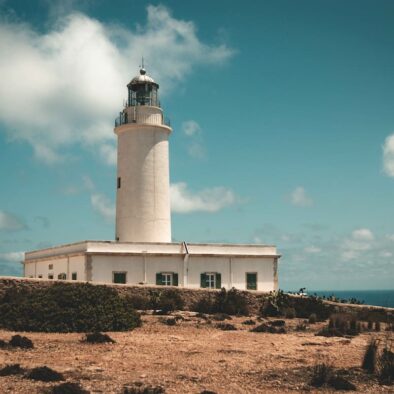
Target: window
[[251, 281], [74, 276], [62, 276], [50, 266], [118, 182], [50, 276], [211, 280], [40, 276], [119, 277], [167, 279]]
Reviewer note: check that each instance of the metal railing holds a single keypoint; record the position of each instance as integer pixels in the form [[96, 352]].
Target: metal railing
[[124, 119]]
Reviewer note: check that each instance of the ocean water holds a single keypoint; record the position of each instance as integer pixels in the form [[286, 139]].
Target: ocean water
[[370, 297]]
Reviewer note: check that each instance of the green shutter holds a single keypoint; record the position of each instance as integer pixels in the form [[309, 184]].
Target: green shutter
[[159, 279], [203, 280], [175, 279], [218, 280]]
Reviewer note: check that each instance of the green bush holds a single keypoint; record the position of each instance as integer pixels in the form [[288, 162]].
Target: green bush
[[166, 300], [66, 307], [232, 302]]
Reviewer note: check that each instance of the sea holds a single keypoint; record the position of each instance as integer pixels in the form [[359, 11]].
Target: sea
[[369, 297]]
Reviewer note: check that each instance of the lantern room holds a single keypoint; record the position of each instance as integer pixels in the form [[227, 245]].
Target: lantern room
[[142, 90]]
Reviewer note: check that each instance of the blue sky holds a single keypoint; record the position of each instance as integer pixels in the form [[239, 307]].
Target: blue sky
[[283, 126]]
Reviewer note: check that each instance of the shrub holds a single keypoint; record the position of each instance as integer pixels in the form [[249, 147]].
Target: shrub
[[65, 307], [289, 313], [340, 383], [339, 325], [68, 388], [98, 337], [232, 302], [269, 329], [226, 326], [301, 327], [312, 318], [3, 344], [139, 388], [277, 323], [249, 322], [385, 368], [369, 360], [22, 342], [167, 300], [169, 322], [44, 374], [324, 374], [12, 369], [139, 301], [321, 373]]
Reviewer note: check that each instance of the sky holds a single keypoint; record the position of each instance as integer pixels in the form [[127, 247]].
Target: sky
[[282, 116]]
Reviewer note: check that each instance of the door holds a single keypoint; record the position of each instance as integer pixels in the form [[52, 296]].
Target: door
[[251, 281]]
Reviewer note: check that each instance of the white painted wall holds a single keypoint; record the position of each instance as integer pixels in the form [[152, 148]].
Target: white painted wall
[[143, 199], [66, 265]]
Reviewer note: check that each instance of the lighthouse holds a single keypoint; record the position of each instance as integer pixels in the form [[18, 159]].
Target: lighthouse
[[143, 182], [143, 252]]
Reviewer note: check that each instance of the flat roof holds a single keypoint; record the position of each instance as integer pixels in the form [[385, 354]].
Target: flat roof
[[154, 248]]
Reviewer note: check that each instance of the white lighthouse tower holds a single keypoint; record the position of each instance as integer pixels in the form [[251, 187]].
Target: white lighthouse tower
[[143, 185]]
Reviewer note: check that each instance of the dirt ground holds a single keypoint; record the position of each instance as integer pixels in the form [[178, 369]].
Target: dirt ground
[[190, 357]]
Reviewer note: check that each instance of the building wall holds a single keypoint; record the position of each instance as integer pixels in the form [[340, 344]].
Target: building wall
[[65, 265], [143, 268]]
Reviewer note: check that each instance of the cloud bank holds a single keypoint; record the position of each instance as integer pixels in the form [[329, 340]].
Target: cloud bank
[[65, 86], [10, 222]]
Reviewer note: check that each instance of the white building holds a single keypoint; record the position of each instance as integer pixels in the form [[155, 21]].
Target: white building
[[143, 252]]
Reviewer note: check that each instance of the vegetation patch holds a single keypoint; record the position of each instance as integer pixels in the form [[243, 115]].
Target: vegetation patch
[[22, 342], [385, 367], [231, 302], [221, 317], [341, 324], [268, 328], [3, 344], [140, 388], [249, 322], [226, 327], [65, 307], [324, 374], [282, 304], [98, 337], [44, 374], [12, 369], [166, 300], [68, 388], [171, 321], [370, 356]]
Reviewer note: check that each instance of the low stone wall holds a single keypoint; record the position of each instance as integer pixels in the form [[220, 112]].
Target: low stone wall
[[190, 296]]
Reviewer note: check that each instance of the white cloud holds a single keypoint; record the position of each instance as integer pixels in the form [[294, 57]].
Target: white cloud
[[388, 155], [361, 240], [12, 257], [312, 249], [10, 222], [363, 234], [207, 200], [191, 128], [300, 198], [390, 237], [103, 206], [385, 254], [65, 86]]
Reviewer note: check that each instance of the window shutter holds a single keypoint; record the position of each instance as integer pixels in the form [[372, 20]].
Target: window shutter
[[159, 279], [218, 280], [175, 279], [203, 280]]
